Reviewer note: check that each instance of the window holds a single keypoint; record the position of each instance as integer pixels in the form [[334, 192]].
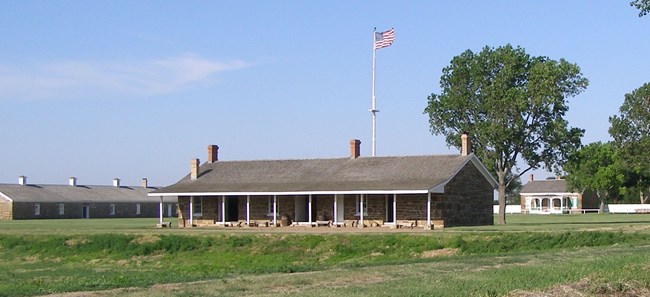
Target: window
[[37, 209], [365, 206], [112, 209], [61, 209], [137, 208], [269, 210], [197, 206]]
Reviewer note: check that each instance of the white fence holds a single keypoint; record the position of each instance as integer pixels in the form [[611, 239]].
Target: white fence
[[509, 209], [629, 208], [611, 208]]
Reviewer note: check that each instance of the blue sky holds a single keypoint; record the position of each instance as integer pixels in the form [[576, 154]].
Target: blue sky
[[132, 89]]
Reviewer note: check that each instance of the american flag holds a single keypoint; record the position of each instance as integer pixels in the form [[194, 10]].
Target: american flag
[[384, 39]]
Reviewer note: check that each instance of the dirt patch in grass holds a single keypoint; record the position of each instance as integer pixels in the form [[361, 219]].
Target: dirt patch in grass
[[585, 288], [31, 259], [147, 238], [446, 252], [113, 292], [75, 241]]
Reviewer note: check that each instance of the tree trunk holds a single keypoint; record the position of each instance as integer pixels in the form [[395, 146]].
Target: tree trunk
[[502, 197], [643, 197], [602, 206]]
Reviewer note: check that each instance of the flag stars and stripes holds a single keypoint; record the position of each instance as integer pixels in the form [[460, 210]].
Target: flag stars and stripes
[[384, 39]]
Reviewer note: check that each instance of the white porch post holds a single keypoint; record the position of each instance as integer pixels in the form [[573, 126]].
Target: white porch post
[[248, 209], [275, 210], [309, 209], [160, 219], [395, 209], [223, 210], [191, 210], [429, 209], [336, 214], [361, 211]]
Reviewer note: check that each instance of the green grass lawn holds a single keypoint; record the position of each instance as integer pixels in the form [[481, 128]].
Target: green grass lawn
[[602, 254], [516, 222]]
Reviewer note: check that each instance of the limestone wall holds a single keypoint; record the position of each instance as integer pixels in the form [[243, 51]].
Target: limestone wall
[[468, 199], [5, 210]]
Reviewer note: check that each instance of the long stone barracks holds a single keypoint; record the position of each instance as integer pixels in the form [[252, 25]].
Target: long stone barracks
[[26, 201], [410, 191]]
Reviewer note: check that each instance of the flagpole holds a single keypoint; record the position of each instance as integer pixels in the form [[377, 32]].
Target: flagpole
[[374, 99]]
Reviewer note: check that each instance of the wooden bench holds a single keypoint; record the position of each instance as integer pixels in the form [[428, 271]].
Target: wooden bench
[[403, 224], [164, 225], [323, 223]]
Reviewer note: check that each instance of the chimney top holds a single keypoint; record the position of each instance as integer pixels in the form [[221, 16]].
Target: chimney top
[[466, 144], [194, 169], [355, 148], [531, 178], [558, 177], [213, 153], [73, 181], [144, 183], [22, 180], [116, 182]]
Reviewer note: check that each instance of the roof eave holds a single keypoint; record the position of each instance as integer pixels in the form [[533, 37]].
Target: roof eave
[[281, 193], [440, 188], [6, 197], [548, 193]]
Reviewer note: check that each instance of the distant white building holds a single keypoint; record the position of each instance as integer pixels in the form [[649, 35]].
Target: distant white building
[[552, 197]]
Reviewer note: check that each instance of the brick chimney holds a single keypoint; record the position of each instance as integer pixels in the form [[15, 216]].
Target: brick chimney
[[194, 169], [116, 182], [465, 144], [355, 148], [144, 183], [213, 153], [73, 181], [558, 177], [22, 180], [531, 178]]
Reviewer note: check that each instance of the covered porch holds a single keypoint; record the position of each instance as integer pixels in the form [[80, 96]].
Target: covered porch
[[540, 204], [333, 209]]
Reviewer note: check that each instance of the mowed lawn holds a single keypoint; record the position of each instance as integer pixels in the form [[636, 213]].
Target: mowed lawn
[[559, 255], [515, 222]]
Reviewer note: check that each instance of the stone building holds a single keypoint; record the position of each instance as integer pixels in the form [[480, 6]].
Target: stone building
[[425, 191], [36, 201]]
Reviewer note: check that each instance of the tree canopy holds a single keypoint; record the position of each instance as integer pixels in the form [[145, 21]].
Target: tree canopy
[[595, 167], [630, 130], [642, 5], [513, 106]]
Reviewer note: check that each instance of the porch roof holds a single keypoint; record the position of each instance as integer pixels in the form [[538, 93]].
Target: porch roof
[[407, 174]]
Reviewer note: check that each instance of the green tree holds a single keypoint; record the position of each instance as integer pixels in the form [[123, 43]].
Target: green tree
[[631, 132], [642, 5], [595, 167], [513, 105]]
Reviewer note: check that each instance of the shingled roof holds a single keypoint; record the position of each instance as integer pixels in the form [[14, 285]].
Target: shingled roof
[[342, 175], [545, 186], [82, 193]]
